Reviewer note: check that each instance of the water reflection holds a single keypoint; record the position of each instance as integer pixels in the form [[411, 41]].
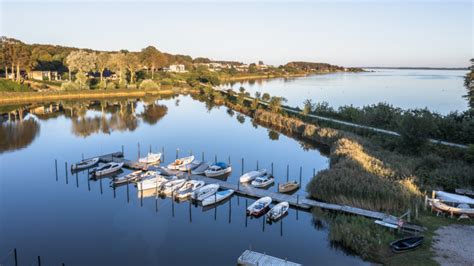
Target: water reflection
[[19, 134]]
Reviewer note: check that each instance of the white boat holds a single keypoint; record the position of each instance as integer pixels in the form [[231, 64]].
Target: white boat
[[278, 211], [187, 189], [218, 169], [171, 186], [151, 158], [454, 198], [461, 209], [250, 176], [84, 164], [263, 181], [190, 166], [200, 169], [180, 162], [205, 191], [130, 178], [217, 197], [259, 206], [107, 168], [152, 183]]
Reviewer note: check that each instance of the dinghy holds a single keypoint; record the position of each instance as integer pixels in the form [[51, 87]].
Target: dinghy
[[180, 162], [200, 169], [278, 211], [188, 188], [250, 176], [190, 166], [218, 169], [406, 244], [263, 181], [130, 178], [217, 197], [152, 183], [171, 186], [288, 187], [84, 164], [151, 158], [107, 168], [205, 191], [454, 198], [259, 206]]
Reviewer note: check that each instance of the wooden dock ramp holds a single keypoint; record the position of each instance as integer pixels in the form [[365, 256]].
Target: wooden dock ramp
[[252, 258]]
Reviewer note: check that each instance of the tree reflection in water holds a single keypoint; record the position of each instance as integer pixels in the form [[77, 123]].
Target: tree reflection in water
[[18, 134]]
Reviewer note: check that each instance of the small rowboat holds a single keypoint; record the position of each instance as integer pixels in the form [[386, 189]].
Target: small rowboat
[[218, 169], [205, 191], [171, 186], [107, 168], [180, 162], [263, 181], [151, 158], [250, 176], [84, 164], [278, 211], [190, 166], [130, 178], [406, 244], [217, 197], [187, 189], [288, 187], [200, 169], [258, 207]]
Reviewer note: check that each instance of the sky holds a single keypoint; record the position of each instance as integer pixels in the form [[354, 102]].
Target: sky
[[347, 33]]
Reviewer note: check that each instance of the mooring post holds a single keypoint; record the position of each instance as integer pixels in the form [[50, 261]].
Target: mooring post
[[314, 172], [172, 205], [287, 172], [215, 158], [263, 224], [297, 205], [56, 168], [242, 165], [138, 151], [39, 261], [230, 210], [190, 215], [15, 256], [141, 198], [246, 216], [65, 166], [100, 181], [426, 202], [278, 187], [156, 203], [228, 160], [301, 173], [202, 156], [88, 180], [123, 152], [272, 168], [77, 180], [128, 194], [238, 185]]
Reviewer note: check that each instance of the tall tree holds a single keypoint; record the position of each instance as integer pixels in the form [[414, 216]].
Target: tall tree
[[469, 83], [308, 107], [132, 63], [81, 61], [102, 62], [117, 63], [152, 59]]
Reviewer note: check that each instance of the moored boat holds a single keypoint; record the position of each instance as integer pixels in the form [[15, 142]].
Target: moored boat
[[406, 244], [217, 197], [288, 187], [259, 206], [171, 186], [180, 162], [152, 183], [218, 169], [200, 169], [278, 211], [190, 166], [151, 158], [250, 176], [263, 181], [84, 164], [107, 169], [130, 178], [205, 191], [188, 188]]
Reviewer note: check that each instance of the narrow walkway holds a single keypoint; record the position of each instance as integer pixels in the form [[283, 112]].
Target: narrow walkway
[[252, 258]]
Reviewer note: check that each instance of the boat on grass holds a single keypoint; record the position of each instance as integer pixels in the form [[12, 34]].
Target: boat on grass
[[250, 176], [84, 164], [107, 169], [278, 211], [218, 169], [406, 244], [259, 207], [454, 198], [188, 188], [288, 187], [460, 209], [263, 181], [205, 191], [180, 162], [151, 158], [217, 197]]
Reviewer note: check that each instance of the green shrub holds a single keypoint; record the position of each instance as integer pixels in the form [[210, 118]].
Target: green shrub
[[70, 86], [148, 84], [111, 86], [8, 85]]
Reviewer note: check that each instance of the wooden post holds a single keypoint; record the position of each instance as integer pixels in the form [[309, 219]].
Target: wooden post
[[297, 203], [228, 160], [242, 165], [416, 211], [138, 151], [426, 202], [287, 172], [128, 193], [301, 173], [202, 156], [246, 216], [314, 172], [257, 164], [123, 151], [238, 185], [272, 168], [15, 256], [409, 215], [177, 153], [39, 261], [215, 158], [172, 205], [278, 187], [162, 153], [141, 198], [77, 180], [190, 215], [56, 168], [65, 166], [230, 210], [88, 181], [433, 194], [100, 181]]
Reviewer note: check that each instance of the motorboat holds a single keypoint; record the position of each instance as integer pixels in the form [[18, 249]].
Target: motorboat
[[107, 168], [180, 162], [263, 181], [278, 211], [190, 166], [130, 178], [85, 164], [188, 188], [168, 188], [205, 191], [217, 197], [406, 244], [250, 176], [218, 169], [288, 186], [152, 183], [259, 206], [200, 169], [151, 158]]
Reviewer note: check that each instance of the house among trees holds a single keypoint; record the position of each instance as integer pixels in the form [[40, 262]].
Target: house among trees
[[176, 68], [44, 75]]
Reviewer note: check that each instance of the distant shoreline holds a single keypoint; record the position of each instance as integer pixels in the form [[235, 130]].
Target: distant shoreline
[[420, 68]]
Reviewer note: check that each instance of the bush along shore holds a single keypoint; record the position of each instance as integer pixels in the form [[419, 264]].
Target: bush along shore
[[366, 171]]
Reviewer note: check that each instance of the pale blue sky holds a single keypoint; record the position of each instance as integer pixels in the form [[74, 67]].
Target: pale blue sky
[[349, 33]]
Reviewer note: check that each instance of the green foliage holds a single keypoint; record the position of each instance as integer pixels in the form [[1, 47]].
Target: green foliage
[[10, 86], [415, 128], [102, 85], [470, 153], [469, 84], [111, 85], [275, 104], [203, 75], [266, 97], [70, 86], [148, 84]]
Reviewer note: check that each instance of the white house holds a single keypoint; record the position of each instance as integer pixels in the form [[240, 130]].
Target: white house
[[176, 68]]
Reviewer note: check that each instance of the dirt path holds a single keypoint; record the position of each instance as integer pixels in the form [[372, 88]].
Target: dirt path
[[453, 245]]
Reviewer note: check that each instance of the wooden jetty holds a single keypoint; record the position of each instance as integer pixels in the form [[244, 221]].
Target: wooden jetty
[[252, 258], [249, 191]]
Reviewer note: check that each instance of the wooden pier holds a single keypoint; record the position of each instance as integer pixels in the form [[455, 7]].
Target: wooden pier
[[249, 191], [252, 258]]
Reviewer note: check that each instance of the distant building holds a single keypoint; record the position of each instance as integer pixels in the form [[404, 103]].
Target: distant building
[[175, 68], [44, 75]]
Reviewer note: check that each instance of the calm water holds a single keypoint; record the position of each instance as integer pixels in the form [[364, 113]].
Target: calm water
[[81, 222], [439, 90]]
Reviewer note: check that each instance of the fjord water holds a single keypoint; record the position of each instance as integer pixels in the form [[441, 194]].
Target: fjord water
[[81, 222], [438, 90]]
